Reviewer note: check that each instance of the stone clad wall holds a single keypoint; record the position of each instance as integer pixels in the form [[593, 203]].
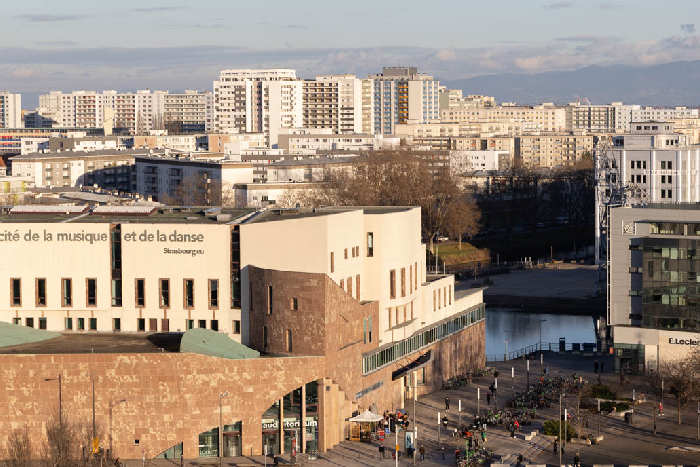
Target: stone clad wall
[[172, 397]]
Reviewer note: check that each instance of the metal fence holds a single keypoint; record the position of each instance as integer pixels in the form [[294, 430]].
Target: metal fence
[[557, 347]]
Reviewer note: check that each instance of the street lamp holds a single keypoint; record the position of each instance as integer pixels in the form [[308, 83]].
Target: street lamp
[[221, 427], [60, 398], [112, 404]]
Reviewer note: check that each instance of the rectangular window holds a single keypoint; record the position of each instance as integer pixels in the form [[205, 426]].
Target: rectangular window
[[349, 286], [236, 326], [392, 283], [389, 313], [670, 179], [332, 262], [153, 324], [116, 292], [439, 297], [415, 276], [91, 292], [116, 324], [40, 286], [189, 324], [141, 324], [294, 304], [269, 299], [663, 164], [670, 165], [93, 324], [81, 324], [370, 244], [369, 327], [16, 292], [164, 293], [29, 322], [140, 292], [670, 193], [345, 254], [165, 325], [202, 324], [288, 340], [357, 287], [66, 292], [213, 293], [69, 324], [663, 179], [42, 323], [188, 289], [265, 338], [403, 282], [214, 325]]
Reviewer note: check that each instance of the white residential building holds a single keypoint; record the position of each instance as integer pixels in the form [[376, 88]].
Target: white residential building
[[258, 101], [335, 102], [10, 110]]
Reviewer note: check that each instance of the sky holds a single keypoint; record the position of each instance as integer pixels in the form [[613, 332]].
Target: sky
[[174, 44]]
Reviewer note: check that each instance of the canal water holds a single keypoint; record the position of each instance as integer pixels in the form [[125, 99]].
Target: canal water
[[522, 329]]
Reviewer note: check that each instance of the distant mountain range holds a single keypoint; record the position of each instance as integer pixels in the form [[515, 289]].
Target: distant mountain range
[[669, 84]]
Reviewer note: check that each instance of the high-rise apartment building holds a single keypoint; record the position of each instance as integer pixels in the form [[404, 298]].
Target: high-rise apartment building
[[188, 112], [10, 110], [335, 102], [402, 95], [550, 150], [258, 101]]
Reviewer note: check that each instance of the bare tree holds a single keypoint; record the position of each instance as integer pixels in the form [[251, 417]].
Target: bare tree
[[195, 190], [463, 218], [683, 379], [19, 448], [59, 441], [400, 178]]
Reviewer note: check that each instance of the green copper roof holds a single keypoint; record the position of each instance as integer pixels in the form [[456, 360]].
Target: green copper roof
[[16, 334], [212, 343]]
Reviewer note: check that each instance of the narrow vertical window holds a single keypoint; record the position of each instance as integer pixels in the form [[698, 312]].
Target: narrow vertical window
[[403, 282], [42, 323], [40, 286], [214, 325], [16, 292], [342, 284], [389, 313], [202, 323], [364, 331], [213, 293], [165, 325], [153, 324], [188, 290], [116, 324], [349, 286], [66, 292], [69, 324], [29, 322], [289, 340], [141, 324], [269, 299], [370, 244], [345, 254], [370, 329], [265, 338], [236, 326], [91, 292], [81, 324], [294, 304], [164, 293], [332, 262], [392, 283], [140, 292], [357, 287], [415, 276], [189, 324], [92, 323]]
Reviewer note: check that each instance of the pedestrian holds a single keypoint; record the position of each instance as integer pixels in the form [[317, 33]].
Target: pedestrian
[[483, 436], [488, 398], [555, 447], [421, 450], [577, 460], [447, 403], [381, 451], [595, 366]]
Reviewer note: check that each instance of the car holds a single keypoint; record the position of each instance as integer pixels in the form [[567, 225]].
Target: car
[[442, 238]]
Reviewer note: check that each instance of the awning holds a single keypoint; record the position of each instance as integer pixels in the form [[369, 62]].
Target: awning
[[367, 417]]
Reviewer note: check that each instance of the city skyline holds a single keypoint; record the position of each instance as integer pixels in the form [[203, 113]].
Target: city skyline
[[73, 48]]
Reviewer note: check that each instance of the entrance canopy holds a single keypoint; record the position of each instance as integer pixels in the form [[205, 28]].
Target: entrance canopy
[[367, 417]]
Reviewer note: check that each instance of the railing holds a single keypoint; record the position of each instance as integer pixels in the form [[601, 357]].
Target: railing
[[556, 347]]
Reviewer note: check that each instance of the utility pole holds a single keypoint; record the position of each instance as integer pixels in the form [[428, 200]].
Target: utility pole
[[560, 439], [221, 427]]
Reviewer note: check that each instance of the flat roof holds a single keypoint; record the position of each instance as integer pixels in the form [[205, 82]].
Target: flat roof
[[299, 213], [78, 154], [69, 343], [161, 215]]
